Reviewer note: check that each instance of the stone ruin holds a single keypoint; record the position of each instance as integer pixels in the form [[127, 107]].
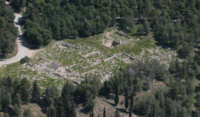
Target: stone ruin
[[111, 43]]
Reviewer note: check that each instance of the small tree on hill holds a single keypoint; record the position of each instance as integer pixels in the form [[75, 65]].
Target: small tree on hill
[[104, 112], [25, 88], [116, 97], [117, 113], [27, 113], [35, 93], [126, 100]]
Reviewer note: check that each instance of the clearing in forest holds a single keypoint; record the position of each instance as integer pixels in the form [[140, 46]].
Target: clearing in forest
[[79, 58]]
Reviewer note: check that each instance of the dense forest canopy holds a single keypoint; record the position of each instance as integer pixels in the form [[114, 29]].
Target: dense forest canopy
[[176, 97], [8, 32], [174, 23]]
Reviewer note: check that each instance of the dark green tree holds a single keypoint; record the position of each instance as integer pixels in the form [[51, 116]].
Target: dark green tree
[[117, 113], [66, 101], [27, 113], [126, 99], [104, 112], [51, 112], [35, 93], [92, 114], [17, 100], [18, 4], [51, 93], [25, 89], [116, 99]]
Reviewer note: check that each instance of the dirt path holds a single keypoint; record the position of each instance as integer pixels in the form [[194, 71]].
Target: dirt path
[[22, 50]]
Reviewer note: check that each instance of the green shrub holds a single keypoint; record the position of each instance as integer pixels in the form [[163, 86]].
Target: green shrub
[[24, 60]]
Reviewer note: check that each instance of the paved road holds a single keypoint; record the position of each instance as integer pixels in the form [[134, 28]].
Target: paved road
[[22, 51]]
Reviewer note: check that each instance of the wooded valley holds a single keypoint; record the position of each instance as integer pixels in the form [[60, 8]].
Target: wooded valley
[[173, 24]]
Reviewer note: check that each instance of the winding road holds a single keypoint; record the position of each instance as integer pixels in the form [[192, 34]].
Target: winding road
[[22, 50]]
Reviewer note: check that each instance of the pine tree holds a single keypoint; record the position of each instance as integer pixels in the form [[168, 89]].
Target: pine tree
[[6, 101], [66, 101], [51, 93], [92, 114], [104, 112], [89, 104], [146, 27], [8, 82], [130, 114], [131, 105], [196, 114], [106, 89], [197, 104], [117, 113], [17, 100], [116, 99], [35, 93], [126, 98], [27, 113], [25, 87], [155, 109], [16, 111], [51, 112]]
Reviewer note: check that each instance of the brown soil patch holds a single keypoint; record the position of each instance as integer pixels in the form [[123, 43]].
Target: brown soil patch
[[36, 110]]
